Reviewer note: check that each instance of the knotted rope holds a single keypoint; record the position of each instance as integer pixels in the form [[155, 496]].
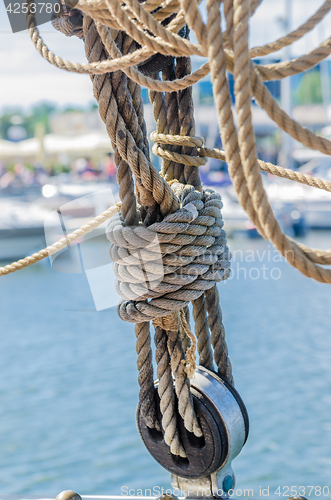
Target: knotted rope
[[159, 270], [183, 256], [172, 251]]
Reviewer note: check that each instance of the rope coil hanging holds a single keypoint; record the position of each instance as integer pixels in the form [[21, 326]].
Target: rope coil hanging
[[168, 245]]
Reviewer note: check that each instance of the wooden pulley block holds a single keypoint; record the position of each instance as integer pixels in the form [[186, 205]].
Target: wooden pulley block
[[224, 422]]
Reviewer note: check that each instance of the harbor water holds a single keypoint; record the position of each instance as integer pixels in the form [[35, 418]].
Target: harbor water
[[68, 382]]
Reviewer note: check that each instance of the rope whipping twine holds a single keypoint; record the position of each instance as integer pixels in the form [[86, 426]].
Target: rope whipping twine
[[168, 214]]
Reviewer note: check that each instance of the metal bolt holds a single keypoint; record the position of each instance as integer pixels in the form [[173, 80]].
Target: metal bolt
[[296, 498], [167, 497], [68, 495], [227, 483]]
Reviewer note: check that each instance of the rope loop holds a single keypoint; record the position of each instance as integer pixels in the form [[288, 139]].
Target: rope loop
[[179, 140], [191, 160]]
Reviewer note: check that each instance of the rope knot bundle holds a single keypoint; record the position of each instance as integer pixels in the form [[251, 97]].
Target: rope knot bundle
[[162, 268]]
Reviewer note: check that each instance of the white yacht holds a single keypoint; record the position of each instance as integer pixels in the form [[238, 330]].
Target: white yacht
[[21, 228]]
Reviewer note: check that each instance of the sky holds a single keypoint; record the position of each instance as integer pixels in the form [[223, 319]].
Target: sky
[[26, 78]]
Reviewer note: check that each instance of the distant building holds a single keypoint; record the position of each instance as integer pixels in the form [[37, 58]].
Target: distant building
[[75, 122]]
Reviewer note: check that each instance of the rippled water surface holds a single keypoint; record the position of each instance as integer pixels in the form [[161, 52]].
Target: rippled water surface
[[68, 384]]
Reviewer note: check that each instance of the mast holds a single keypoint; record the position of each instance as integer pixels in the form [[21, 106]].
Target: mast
[[285, 154]]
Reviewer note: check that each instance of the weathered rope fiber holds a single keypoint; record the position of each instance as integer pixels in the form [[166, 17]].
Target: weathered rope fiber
[[190, 364]]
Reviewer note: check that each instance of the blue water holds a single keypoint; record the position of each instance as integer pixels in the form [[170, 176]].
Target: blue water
[[68, 381]]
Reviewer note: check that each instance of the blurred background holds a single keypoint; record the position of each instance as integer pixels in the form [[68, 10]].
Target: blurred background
[[68, 383]]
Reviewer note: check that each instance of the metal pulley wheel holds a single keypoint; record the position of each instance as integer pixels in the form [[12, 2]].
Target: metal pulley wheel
[[224, 422]]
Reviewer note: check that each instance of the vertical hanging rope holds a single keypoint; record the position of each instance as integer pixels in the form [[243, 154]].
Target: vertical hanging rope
[[171, 169], [167, 393], [218, 334], [202, 333], [185, 339], [190, 174], [182, 385], [146, 378]]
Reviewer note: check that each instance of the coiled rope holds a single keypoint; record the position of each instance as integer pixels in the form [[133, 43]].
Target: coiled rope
[[122, 36]]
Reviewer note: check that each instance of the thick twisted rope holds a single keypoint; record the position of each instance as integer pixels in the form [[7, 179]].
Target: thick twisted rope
[[218, 333], [124, 174], [189, 343], [194, 256], [167, 394], [160, 114], [246, 142], [186, 123], [145, 377], [185, 407], [119, 134], [170, 168], [295, 35]]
